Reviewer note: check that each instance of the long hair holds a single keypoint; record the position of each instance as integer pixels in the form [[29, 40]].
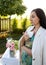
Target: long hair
[[41, 15]]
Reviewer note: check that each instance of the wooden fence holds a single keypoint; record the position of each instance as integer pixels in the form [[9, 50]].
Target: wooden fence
[[5, 24]]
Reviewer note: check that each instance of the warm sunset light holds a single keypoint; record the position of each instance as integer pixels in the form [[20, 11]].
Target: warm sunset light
[[31, 4]]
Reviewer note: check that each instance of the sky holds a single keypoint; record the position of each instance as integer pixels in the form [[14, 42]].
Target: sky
[[32, 4]]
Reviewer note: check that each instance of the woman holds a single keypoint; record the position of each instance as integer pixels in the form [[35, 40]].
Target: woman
[[25, 58], [38, 52]]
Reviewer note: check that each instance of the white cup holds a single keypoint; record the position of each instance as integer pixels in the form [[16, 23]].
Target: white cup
[[30, 33]]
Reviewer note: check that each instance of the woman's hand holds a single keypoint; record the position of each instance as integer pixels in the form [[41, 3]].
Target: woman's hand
[[29, 51], [23, 39], [26, 37]]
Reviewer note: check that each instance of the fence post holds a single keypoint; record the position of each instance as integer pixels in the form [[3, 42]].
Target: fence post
[[10, 24], [0, 24]]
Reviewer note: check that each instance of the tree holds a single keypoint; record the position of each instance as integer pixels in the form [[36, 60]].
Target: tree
[[14, 26], [24, 23], [9, 7]]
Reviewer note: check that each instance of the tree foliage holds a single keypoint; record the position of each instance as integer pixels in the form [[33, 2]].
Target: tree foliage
[[24, 23], [9, 7]]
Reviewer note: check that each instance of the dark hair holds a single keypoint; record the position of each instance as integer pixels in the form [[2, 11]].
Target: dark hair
[[41, 15]]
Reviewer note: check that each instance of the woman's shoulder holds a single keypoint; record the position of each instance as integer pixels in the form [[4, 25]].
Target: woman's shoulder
[[43, 33]]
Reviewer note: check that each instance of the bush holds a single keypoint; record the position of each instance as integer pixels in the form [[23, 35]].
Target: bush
[[14, 26], [15, 36], [24, 23], [16, 44], [2, 45]]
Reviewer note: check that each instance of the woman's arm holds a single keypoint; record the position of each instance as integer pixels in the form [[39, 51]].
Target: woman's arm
[[21, 42], [23, 39], [29, 51]]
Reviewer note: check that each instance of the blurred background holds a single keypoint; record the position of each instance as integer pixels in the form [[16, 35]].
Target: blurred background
[[15, 19]]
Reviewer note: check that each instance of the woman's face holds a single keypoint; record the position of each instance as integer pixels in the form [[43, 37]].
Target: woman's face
[[34, 19]]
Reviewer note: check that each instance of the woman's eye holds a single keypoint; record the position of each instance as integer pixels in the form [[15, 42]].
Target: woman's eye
[[33, 16]]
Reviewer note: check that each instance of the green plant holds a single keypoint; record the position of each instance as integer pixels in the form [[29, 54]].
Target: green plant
[[9, 7], [2, 45], [24, 23], [14, 26], [16, 44], [15, 36]]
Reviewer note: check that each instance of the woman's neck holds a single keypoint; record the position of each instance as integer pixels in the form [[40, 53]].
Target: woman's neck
[[36, 28]]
